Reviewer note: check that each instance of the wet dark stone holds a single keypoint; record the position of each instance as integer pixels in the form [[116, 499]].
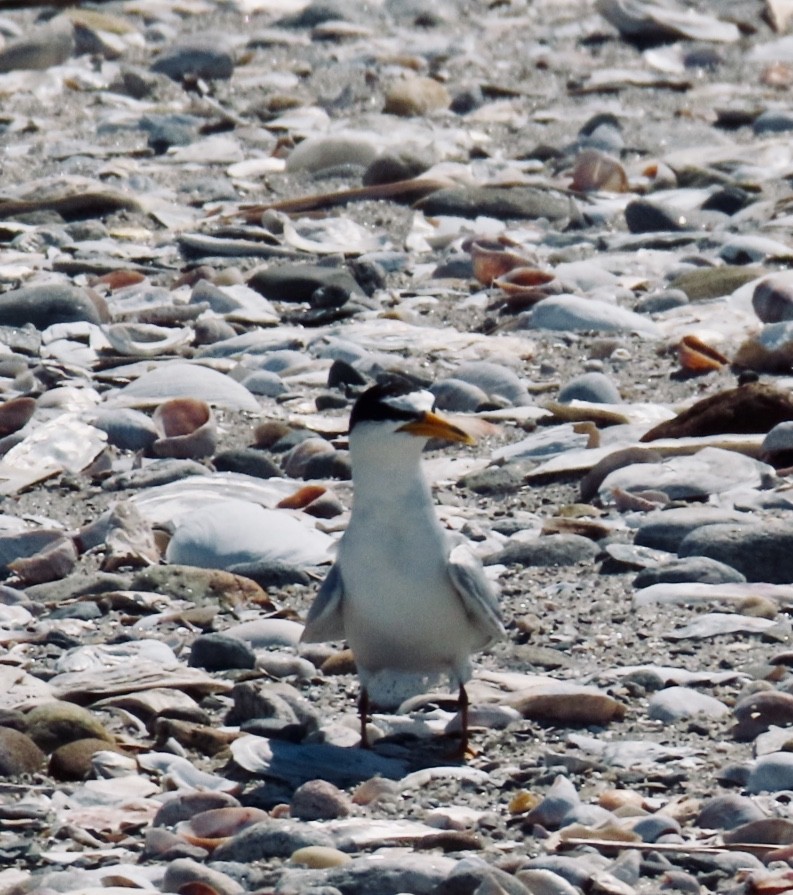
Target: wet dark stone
[[298, 282], [165, 131], [215, 652], [200, 57], [728, 200], [643, 216], [341, 373], [394, 166], [370, 275]]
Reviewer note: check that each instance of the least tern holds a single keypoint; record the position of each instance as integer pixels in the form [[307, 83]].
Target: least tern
[[411, 605]]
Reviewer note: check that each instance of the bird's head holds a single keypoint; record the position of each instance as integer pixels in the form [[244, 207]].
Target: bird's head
[[399, 408]]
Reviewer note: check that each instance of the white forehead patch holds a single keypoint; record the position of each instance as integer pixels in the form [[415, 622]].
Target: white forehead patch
[[412, 402]]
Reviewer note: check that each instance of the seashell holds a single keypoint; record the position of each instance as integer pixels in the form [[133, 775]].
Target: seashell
[[146, 339], [188, 429], [521, 280], [595, 171], [234, 532], [211, 828], [492, 260], [696, 356], [14, 414], [178, 379], [118, 279], [302, 497]]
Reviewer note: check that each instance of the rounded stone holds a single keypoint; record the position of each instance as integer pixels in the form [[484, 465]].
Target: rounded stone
[[74, 760], [18, 754], [416, 96], [56, 723], [594, 387], [319, 800], [216, 652], [772, 298], [248, 461]]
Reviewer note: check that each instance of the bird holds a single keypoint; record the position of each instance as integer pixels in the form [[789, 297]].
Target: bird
[[412, 605]]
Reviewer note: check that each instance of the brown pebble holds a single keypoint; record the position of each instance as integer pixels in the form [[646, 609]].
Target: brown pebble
[[74, 760], [319, 800], [416, 96], [341, 662], [18, 754]]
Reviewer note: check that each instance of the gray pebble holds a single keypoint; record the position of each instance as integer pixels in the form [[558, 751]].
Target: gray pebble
[[298, 282], [771, 773], [127, 429], [457, 396], [248, 461], [665, 529], [760, 552], [658, 302], [675, 703], [772, 298], [200, 57], [319, 800], [495, 381], [502, 203], [595, 387], [699, 569], [727, 812], [553, 550], [42, 306], [263, 382], [215, 652]]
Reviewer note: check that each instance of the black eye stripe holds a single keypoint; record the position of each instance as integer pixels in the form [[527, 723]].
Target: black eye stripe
[[373, 405]]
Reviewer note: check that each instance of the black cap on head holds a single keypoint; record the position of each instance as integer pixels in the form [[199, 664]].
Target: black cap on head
[[381, 403]]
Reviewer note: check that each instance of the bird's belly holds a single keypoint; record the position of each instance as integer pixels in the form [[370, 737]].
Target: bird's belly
[[401, 611]]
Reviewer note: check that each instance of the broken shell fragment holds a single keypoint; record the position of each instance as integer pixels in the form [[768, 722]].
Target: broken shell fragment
[[187, 427], [696, 356]]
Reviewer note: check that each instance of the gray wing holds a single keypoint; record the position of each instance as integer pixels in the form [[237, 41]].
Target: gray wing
[[324, 620], [476, 592]]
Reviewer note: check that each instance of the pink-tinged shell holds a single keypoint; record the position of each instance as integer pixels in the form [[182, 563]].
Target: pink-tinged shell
[[301, 498], [187, 427], [596, 171], [14, 414], [119, 279], [696, 356], [491, 261], [520, 280], [212, 828]]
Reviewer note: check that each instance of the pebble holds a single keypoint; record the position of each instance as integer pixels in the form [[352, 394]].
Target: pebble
[[319, 800], [416, 96], [759, 555], [553, 550], [595, 387], [675, 703], [200, 57], [18, 754]]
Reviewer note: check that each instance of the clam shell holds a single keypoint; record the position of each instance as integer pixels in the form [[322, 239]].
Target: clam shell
[[178, 379], [145, 339], [188, 429], [211, 828]]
